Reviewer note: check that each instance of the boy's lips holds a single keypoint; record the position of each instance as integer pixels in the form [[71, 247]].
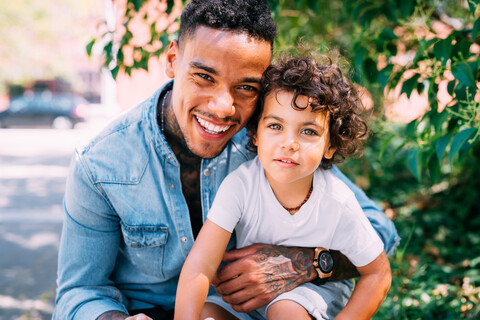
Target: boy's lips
[[285, 162], [212, 128]]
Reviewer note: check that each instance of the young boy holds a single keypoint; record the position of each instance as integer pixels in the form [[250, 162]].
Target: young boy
[[307, 119]]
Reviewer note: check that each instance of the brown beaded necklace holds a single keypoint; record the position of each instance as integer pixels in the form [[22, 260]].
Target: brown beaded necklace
[[292, 211]]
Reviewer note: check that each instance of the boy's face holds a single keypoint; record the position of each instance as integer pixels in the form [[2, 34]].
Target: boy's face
[[217, 82], [291, 143]]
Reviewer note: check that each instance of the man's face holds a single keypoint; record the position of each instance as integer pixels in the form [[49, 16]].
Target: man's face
[[217, 82]]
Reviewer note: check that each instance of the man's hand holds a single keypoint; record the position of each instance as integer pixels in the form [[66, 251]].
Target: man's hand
[[118, 315], [259, 273]]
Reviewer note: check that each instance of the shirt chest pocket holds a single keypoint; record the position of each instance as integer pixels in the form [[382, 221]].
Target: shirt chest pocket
[[144, 247]]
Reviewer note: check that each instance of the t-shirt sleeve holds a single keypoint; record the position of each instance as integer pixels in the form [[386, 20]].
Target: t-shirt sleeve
[[355, 236], [229, 202]]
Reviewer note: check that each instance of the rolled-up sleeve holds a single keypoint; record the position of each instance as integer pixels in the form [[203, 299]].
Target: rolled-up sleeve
[[88, 250], [383, 226]]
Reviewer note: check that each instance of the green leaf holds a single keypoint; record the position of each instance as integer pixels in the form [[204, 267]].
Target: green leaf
[[423, 45], [459, 140], [442, 50], [434, 168], [410, 84], [170, 4], [451, 87], [476, 27], [473, 5], [370, 70], [441, 144], [384, 146], [90, 46], [414, 162], [387, 34], [439, 119], [461, 50], [384, 74], [114, 72], [464, 74], [410, 129]]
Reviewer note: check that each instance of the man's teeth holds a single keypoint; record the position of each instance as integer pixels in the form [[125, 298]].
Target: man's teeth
[[211, 128]]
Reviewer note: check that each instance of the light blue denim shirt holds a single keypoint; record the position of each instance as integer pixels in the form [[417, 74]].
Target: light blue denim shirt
[[127, 228]]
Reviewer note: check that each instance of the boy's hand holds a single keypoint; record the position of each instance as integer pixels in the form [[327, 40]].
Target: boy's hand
[[259, 273]]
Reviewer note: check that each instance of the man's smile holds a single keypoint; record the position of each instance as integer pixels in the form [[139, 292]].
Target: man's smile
[[211, 127]]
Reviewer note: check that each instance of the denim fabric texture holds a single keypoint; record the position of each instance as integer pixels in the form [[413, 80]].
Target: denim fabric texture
[[127, 228]]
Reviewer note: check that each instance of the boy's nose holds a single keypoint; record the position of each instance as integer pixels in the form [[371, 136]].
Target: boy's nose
[[291, 143]]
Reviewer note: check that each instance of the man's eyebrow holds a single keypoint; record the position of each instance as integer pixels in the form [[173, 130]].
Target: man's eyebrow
[[200, 65], [252, 80]]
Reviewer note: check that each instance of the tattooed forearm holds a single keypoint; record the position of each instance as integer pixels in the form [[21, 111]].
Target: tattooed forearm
[[286, 268]]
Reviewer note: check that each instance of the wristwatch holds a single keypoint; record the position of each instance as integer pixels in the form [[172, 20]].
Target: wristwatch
[[323, 263]]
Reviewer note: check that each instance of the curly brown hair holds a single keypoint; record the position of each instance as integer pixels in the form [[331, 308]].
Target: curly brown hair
[[331, 93]]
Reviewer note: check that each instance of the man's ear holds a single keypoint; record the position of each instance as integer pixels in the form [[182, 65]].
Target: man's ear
[[172, 56], [329, 152]]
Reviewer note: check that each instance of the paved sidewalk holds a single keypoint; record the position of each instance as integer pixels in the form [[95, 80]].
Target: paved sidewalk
[[33, 169]]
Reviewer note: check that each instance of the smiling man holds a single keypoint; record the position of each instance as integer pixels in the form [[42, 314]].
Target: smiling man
[[138, 193]]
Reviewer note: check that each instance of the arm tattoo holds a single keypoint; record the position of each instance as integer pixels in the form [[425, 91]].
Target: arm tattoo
[[286, 268]]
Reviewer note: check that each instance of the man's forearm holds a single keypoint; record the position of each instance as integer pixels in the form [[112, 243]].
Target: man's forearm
[[342, 267], [113, 315]]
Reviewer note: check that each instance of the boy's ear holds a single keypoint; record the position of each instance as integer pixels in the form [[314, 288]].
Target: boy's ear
[[254, 139], [329, 152], [172, 56]]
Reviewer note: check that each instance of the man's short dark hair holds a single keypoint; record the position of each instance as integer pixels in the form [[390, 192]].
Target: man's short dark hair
[[332, 93], [252, 17]]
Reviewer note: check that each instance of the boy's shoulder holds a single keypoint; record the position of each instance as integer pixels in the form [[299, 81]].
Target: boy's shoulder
[[335, 188]]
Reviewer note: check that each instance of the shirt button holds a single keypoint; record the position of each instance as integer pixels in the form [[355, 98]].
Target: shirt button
[[172, 186], [206, 172], [184, 239], [170, 157]]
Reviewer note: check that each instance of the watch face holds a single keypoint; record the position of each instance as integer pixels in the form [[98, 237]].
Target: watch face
[[325, 261]]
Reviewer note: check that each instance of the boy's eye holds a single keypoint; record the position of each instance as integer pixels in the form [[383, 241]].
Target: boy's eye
[[275, 126], [309, 132]]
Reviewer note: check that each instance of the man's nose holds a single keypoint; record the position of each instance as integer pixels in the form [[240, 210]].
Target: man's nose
[[221, 104]]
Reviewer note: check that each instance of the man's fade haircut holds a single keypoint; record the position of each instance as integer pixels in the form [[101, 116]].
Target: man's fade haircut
[[252, 17], [330, 92]]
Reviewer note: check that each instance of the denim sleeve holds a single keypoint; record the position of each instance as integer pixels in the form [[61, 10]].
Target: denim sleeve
[[88, 250], [382, 225]]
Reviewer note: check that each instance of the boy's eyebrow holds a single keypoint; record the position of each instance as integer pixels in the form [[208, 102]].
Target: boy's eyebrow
[[270, 116], [200, 65]]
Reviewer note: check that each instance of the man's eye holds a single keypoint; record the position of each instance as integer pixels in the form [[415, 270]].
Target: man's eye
[[309, 132], [275, 126], [247, 88], [205, 76]]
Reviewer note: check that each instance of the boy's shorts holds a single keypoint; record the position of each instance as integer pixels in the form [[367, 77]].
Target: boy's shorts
[[321, 302]]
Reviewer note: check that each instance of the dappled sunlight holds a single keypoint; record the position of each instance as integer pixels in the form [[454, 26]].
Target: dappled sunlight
[[34, 241], [7, 302]]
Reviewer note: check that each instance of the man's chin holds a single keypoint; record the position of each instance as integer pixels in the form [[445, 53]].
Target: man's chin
[[208, 152]]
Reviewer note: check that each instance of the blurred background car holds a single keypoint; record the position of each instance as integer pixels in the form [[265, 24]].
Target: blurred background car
[[45, 109]]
